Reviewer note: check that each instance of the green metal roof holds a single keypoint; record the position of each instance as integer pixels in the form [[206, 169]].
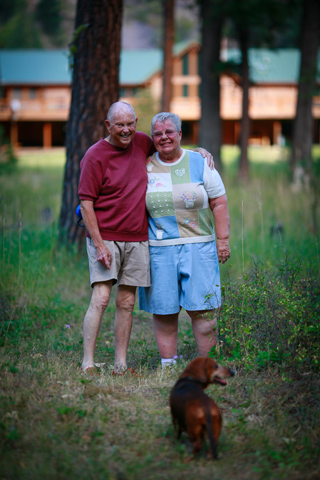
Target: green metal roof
[[34, 67], [51, 66], [45, 67], [137, 66], [271, 66]]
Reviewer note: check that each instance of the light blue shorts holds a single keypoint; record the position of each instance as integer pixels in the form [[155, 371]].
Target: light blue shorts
[[184, 276]]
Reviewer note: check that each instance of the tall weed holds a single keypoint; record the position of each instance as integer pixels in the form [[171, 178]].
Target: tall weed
[[270, 317]]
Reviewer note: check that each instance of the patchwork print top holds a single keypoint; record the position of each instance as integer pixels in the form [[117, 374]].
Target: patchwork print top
[[177, 199]]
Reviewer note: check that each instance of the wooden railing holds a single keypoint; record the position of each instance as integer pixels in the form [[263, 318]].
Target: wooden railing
[[35, 109]]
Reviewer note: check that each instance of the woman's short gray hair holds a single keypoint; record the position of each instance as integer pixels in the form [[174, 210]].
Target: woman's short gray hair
[[163, 116]]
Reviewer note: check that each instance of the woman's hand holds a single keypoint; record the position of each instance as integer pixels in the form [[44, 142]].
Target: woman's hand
[[219, 207], [223, 250]]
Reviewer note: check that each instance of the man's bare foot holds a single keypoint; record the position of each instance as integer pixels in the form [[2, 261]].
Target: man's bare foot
[[86, 366], [91, 371], [119, 369], [127, 370]]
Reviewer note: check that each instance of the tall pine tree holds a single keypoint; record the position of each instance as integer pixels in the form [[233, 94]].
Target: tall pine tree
[[95, 86]]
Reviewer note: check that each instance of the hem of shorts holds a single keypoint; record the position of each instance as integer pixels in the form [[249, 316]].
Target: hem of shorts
[[192, 309], [180, 241], [134, 285], [116, 237], [114, 281], [150, 310]]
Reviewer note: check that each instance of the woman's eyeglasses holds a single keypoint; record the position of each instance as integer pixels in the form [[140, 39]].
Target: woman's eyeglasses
[[167, 133]]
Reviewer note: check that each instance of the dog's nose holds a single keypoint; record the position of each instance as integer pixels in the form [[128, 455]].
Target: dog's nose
[[232, 373]]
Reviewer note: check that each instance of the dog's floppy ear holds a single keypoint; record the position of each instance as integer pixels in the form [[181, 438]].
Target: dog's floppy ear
[[200, 369], [211, 365]]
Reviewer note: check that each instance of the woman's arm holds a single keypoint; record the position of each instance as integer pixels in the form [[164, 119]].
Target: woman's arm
[[219, 207]]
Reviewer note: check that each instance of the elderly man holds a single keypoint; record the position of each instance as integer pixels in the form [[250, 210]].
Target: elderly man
[[112, 191]]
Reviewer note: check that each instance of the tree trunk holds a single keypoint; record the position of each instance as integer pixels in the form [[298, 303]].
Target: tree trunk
[[303, 123], [243, 173], [210, 121], [95, 86], [168, 39]]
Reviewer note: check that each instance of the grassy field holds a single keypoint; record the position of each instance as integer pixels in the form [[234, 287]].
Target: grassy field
[[57, 423]]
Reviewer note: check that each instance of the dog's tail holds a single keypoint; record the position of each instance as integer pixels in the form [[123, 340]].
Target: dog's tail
[[212, 441]]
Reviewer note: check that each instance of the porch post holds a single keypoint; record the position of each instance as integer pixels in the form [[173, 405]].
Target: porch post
[[14, 134], [47, 135]]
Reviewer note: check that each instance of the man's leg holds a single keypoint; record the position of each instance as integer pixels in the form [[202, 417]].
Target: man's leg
[[92, 321], [125, 300], [204, 326], [165, 329]]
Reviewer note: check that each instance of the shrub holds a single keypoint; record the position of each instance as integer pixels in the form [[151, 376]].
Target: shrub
[[271, 316]]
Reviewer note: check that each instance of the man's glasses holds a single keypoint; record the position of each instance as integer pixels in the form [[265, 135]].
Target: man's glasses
[[167, 133]]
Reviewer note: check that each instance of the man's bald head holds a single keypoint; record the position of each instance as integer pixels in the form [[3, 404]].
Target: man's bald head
[[121, 124], [119, 107]]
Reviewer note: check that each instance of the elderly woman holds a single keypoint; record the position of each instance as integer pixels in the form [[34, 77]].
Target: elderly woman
[[185, 199]]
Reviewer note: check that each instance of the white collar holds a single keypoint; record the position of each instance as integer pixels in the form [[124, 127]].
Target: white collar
[[171, 163]]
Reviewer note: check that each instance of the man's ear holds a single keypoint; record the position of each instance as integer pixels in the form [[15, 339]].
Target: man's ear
[[136, 120], [107, 124]]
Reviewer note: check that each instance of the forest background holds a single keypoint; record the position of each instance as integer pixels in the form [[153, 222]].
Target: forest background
[[50, 24]]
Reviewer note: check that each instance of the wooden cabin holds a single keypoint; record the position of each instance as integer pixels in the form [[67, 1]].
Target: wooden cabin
[[35, 93]]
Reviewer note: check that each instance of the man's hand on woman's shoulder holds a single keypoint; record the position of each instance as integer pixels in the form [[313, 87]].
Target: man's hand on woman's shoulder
[[205, 154]]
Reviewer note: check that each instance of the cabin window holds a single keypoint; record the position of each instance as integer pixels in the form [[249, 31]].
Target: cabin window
[[128, 92], [185, 91], [185, 69], [17, 93], [32, 93]]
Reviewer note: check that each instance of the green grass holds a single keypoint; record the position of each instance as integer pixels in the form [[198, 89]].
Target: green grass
[[56, 422]]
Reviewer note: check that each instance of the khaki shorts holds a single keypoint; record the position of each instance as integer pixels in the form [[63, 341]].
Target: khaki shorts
[[130, 263]]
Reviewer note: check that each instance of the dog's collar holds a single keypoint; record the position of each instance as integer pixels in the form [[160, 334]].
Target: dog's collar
[[193, 380]]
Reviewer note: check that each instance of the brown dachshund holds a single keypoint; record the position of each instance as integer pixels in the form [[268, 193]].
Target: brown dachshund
[[192, 410]]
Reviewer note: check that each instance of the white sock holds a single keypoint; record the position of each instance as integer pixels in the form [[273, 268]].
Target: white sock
[[165, 362]]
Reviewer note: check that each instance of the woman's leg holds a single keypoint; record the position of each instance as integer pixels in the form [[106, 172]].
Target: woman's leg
[[165, 329], [204, 326]]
